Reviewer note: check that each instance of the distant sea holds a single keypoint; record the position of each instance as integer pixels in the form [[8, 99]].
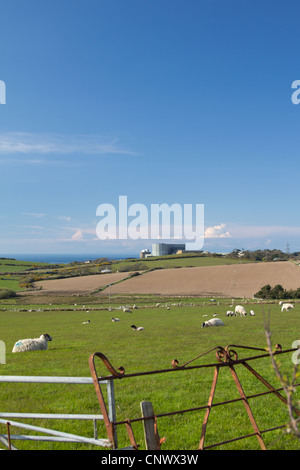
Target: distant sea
[[64, 258]]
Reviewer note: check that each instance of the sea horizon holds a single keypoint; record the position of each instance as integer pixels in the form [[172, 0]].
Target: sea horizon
[[61, 258]]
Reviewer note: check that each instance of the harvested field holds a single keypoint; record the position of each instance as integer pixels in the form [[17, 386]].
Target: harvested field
[[242, 280], [81, 284], [239, 280]]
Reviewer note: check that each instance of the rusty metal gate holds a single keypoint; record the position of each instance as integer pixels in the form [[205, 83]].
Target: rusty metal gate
[[226, 357]]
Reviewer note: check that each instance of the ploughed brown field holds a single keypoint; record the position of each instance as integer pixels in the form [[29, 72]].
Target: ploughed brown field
[[239, 280], [81, 284]]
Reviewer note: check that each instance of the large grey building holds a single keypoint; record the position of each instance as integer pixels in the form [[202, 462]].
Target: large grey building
[[162, 249]]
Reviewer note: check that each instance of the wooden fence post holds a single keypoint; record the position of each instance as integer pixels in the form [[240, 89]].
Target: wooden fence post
[[149, 430]]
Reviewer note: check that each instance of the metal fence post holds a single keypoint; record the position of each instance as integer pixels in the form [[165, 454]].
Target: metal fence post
[[112, 408]]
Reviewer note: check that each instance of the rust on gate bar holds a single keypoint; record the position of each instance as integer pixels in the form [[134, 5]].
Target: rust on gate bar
[[226, 357]]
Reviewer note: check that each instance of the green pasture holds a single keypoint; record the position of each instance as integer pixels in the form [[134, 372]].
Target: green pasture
[[169, 334], [175, 261], [7, 283]]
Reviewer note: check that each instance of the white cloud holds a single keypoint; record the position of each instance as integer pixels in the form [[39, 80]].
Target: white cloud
[[217, 231], [261, 231], [77, 235], [66, 218], [34, 214], [50, 143]]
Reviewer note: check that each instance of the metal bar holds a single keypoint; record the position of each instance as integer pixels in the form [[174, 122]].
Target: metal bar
[[247, 407], [21, 437], [108, 424], [50, 380], [95, 429], [269, 386], [123, 375], [85, 440], [209, 405], [50, 416], [131, 434], [244, 437], [112, 408], [8, 435]]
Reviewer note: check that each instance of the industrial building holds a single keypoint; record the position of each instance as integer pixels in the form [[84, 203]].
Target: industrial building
[[145, 253]]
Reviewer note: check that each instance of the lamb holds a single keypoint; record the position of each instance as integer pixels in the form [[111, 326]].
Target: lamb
[[252, 313], [241, 310], [36, 344], [115, 319], [286, 307], [230, 313], [86, 322], [213, 322], [126, 310], [137, 328]]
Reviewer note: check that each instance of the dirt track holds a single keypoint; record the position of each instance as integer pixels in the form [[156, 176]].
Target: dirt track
[[239, 280]]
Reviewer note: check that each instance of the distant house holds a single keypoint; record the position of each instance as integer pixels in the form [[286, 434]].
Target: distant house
[[106, 270]]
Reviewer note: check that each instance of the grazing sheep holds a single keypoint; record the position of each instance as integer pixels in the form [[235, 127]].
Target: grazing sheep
[[35, 344], [241, 310], [126, 310], [213, 322], [252, 313], [86, 322], [137, 328], [230, 313], [287, 307], [115, 319]]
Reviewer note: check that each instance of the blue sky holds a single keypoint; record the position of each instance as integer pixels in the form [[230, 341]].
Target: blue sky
[[167, 101]]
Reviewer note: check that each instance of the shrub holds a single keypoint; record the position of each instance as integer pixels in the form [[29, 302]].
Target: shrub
[[7, 294], [277, 292]]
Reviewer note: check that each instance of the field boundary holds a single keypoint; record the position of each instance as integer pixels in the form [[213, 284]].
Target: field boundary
[[227, 357]]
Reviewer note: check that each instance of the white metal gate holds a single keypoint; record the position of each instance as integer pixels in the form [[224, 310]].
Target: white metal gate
[[52, 435]]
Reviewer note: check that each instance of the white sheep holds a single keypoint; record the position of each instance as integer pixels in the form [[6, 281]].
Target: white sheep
[[239, 309], [126, 310], [213, 322], [286, 307], [115, 319], [86, 322], [137, 328], [36, 344], [252, 313]]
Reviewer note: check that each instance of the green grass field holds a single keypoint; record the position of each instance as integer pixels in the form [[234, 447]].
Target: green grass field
[[168, 334], [176, 261], [13, 271]]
